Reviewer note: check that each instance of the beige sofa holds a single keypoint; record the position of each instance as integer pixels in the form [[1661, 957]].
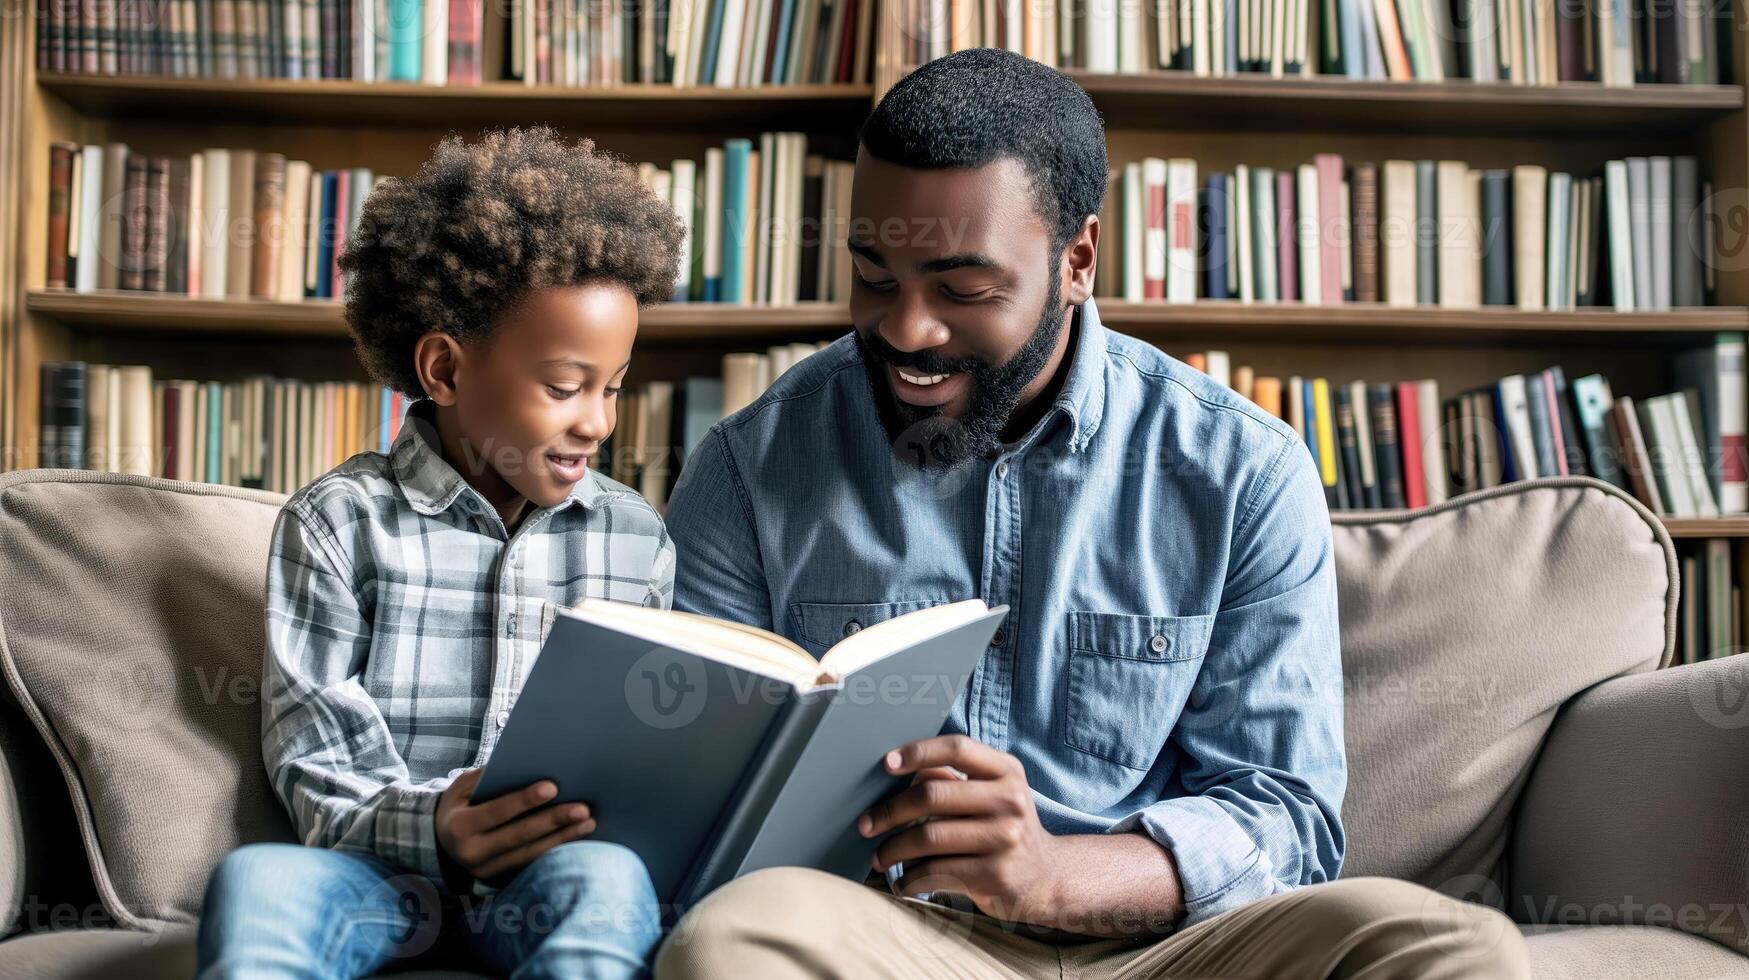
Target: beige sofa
[[1508, 739]]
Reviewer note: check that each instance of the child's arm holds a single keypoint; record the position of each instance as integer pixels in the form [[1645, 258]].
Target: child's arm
[[327, 747], [662, 575]]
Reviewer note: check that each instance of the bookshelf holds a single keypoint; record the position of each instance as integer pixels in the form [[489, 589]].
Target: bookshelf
[[1218, 120]]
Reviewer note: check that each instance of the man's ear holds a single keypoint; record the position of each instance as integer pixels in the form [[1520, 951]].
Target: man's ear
[[437, 357], [1080, 261]]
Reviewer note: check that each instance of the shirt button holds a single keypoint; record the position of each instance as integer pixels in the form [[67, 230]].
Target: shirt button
[[1159, 643], [999, 639], [852, 627], [1002, 470], [503, 716]]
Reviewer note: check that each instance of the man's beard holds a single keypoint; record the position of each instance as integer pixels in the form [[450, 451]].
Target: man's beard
[[924, 437]]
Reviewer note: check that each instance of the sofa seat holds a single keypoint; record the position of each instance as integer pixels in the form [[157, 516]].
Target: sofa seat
[[1626, 952]]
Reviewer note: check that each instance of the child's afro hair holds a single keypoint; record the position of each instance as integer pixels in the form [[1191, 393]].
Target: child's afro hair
[[483, 224]]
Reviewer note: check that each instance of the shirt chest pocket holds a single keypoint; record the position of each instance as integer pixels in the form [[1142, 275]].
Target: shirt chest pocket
[[819, 625], [1129, 677]]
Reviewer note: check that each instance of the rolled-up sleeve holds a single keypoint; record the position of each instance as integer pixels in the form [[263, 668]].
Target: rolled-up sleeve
[[327, 748], [718, 570], [1259, 771]]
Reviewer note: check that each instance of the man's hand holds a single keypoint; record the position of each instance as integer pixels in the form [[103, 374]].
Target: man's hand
[[500, 835], [967, 824], [978, 835]]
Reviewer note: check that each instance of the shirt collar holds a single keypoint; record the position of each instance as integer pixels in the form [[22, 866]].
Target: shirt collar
[[1082, 397], [428, 481]]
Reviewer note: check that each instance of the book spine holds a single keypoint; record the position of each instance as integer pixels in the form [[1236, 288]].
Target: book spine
[[60, 198], [727, 846], [1380, 404], [1426, 233], [133, 227], [156, 255], [1347, 443], [1409, 436], [1366, 233]]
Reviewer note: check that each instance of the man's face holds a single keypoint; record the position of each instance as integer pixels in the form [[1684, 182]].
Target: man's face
[[956, 299]]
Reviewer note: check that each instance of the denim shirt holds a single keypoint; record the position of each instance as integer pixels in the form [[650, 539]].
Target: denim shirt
[[1169, 664]]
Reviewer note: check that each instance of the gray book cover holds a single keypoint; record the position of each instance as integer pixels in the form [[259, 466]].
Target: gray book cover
[[706, 769], [1426, 233], [1497, 238]]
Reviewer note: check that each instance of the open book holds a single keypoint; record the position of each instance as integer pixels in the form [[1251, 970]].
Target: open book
[[713, 749]]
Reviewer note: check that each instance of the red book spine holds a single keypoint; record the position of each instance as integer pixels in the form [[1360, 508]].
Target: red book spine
[[1409, 442], [1154, 287], [1329, 167], [60, 197], [464, 42]]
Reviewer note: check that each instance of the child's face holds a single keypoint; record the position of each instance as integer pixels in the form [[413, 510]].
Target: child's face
[[538, 396]]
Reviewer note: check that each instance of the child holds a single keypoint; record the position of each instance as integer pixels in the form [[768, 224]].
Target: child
[[408, 594]]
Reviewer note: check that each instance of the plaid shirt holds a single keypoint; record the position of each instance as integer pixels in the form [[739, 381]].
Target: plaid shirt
[[402, 621]]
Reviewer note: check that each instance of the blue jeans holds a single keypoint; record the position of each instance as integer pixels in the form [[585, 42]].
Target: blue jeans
[[584, 909]]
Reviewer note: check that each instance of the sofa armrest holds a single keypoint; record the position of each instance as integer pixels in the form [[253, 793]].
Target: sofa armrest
[[1637, 811]]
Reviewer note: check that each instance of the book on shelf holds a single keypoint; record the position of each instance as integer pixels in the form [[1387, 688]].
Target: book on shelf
[[262, 432], [1509, 42], [1636, 235], [662, 422], [1710, 612], [776, 749], [767, 228], [566, 43], [1407, 445]]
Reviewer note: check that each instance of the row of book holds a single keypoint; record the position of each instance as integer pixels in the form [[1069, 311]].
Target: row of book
[[264, 432], [662, 422], [1401, 445], [221, 223], [462, 42], [1520, 42], [1640, 235], [278, 434], [765, 222], [1710, 613]]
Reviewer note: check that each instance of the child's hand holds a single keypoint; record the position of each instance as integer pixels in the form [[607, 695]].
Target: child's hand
[[500, 835]]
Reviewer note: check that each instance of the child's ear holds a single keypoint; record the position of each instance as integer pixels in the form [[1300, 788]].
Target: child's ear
[[436, 356]]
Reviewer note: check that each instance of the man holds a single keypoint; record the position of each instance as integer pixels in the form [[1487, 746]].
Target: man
[[1144, 776]]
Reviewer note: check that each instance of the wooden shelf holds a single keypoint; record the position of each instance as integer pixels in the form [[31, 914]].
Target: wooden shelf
[[1707, 527], [1181, 100], [1209, 319], [131, 311], [337, 101], [1378, 323]]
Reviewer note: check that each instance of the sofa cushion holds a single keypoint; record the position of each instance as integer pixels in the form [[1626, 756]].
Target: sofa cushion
[[102, 954], [1465, 626], [131, 635], [1627, 953]]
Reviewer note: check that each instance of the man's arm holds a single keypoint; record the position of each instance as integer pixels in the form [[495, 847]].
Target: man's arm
[[1260, 756], [719, 571], [1260, 764]]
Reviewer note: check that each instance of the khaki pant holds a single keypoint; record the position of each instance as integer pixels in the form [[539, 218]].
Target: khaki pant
[[793, 922]]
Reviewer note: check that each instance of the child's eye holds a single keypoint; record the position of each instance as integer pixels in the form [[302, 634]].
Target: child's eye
[[879, 286], [561, 393], [610, 392]]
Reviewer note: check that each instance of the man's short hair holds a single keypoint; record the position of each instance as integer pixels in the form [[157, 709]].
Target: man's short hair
[[978, 106]]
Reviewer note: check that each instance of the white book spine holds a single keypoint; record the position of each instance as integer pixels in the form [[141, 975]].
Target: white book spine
[[1309, 228], [216, 220], [1183, 244], [90, 203], [1616, 221]]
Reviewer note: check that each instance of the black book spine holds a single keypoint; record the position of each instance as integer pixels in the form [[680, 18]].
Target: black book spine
[[1571, 440], [1384, 444], [1348, 447], [1496, 238], [48, 440], [70, 414]]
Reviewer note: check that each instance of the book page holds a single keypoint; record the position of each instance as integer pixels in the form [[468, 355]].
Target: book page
[[751, 649], [884, 639]]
